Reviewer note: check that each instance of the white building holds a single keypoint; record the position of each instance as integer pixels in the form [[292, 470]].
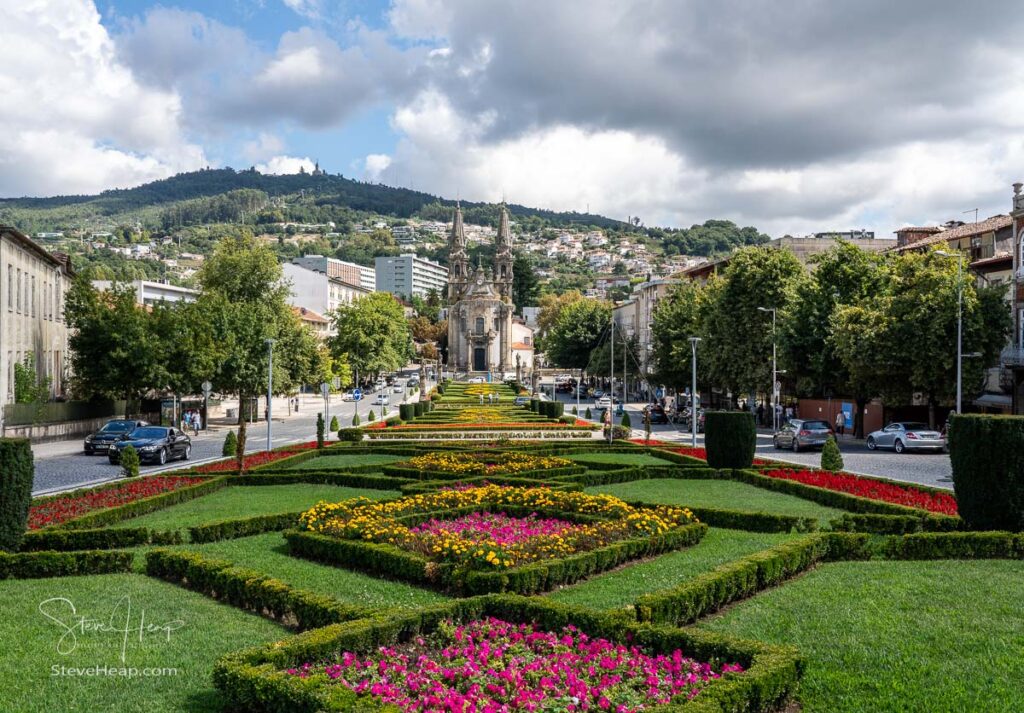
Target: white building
[[32, 287], [350, 272], [410, 276], [148, 292], [318, 292]]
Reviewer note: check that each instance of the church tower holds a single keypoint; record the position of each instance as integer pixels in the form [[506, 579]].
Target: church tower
[[503, 257], [458, 259]]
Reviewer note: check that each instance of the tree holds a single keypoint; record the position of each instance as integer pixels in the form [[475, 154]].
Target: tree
[[113, 351], [29, 387], [551, 306], [577, 332], [676, 318], [738, 335], [373, 333], [525, 285]]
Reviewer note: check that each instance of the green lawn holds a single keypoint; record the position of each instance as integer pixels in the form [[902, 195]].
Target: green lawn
[[622, 587], [268, 553], [331, 462], [619, 458], [727, 494], [898, 636], [207, 631], [238, 501]]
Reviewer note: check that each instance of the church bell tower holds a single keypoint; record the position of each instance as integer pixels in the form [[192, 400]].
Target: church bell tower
[[503, 257]]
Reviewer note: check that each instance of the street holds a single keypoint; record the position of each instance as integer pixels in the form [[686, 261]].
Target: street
[[62, 464]]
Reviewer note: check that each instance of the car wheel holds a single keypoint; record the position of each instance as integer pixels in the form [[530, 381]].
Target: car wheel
[[163, 456], [871, 443], [899, 446], [88, 451], [112, 461], [188, 452]]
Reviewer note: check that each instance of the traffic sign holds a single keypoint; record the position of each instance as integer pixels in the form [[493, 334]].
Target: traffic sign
[[659, 393], [357, 394], [325, 389], [207, 388]]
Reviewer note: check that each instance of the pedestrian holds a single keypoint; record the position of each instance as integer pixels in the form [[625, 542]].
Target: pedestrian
[[760, 414], [840, 423], [196, 423], [789, 412]]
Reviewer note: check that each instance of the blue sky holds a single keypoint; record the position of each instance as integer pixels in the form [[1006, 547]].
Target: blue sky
[[812, 117]]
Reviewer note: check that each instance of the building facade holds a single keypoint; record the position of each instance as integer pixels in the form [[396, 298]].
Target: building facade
[[148, 292], [350, 272], [32, 287], [317, 291], [410, 276], [1013, 356], [480, 304]]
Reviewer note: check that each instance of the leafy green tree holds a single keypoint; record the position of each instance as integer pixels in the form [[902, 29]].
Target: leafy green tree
[[551, 306], [29, 387], [525, 285], [373, 333], [577, 332], [676, 318]]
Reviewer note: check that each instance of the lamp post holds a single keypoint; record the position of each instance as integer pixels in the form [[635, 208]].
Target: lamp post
[[775, 372], [270, 384], [959, 325], [693, 393]]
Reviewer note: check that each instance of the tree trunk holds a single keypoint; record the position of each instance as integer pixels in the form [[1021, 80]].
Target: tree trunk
[[240, 450], [931, 412], [858, 417], [127, 404]]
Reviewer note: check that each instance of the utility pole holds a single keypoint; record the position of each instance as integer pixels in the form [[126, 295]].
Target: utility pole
[[270, 386], [775, 372], [693, 393], [611, 385], [625, 350]]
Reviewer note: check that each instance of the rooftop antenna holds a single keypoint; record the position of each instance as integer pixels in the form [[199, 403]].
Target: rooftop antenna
[[975, 211]]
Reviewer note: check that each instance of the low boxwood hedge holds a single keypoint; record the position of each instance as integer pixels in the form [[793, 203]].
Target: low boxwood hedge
[[255, 679], [372, 480], [242, 527], [105, 538], [895, 524], [250, 590], [955, 545], [28, 565], [415, 474]]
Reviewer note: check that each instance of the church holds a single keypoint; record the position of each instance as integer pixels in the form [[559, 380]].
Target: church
[[480, 325]]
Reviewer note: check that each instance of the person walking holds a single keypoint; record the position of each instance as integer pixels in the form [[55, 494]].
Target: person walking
[[840, 423], [196, 423]]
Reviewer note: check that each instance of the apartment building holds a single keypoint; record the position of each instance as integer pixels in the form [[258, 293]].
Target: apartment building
[[410, 276], [350, 272]]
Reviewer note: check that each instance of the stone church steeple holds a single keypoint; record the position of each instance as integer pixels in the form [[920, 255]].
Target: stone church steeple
[[458, 259], [503, 257]]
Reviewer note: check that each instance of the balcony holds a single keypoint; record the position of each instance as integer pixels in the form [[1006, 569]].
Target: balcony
[[1012, 356]]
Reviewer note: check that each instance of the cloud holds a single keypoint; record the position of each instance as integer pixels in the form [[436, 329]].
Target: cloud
[[306, 8], [375, 165], [285, 164], [262, 147], [76, 119]]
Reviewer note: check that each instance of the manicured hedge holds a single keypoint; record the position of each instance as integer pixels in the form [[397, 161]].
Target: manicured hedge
[[414, 474], [16, 474], [250, 590], [987, 453], [255, 680], [371, 557], [955, 545], [107, 538], [135, 508], [349, 479], [406, 412], [28, 565], [895, 524], [243, 527], [730, 438], [754, 521]]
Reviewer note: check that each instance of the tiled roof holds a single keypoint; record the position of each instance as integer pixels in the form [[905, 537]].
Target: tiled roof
[[521, 345], [308, 315], [996, 222], [994, 260]]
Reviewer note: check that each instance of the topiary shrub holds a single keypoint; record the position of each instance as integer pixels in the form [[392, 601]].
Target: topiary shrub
[[353, 435], [987, 454], [371, 416], [130, 462], [16, 472], [626, 421], [319, 430], [730, 438], [557, 409], [831, 458], [230, 446], [575, 411], [588, 414], [334, 423], [355, 419], [406, 412], [621, 433]]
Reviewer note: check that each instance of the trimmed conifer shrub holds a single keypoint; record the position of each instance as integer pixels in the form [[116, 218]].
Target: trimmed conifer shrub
[[575, 411], [730, 438], [230, 444], [831, 458], [130, 462], [353, 435], [987, 454], [588, 414], [406, 412], [319, 430], [626, 421], [334, 423], [16, 472], [371, 416]]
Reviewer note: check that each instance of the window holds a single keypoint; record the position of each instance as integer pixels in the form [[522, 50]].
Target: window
[[479, 325], [10, 287], [32, 303]]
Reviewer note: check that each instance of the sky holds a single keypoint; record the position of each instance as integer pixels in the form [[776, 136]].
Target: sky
[[794, 116]]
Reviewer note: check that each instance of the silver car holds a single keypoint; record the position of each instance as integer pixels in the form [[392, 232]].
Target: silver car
[[906, 436], [799, 434]]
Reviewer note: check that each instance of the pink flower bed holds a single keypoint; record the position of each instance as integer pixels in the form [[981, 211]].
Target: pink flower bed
[[492, 665], [495, 527]]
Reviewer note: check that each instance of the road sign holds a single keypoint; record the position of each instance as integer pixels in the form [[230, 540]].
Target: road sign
[[325, 389], [207, 388], [357, 394], [659, 393]]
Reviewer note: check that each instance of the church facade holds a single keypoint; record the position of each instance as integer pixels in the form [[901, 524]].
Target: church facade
[[480, 305]]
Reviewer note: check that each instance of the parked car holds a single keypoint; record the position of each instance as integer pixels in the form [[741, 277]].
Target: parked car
[[598, 393], [413, 382], [155, 444], [111, 432], [522, 401], [799, 434], [382, 400], [906, 436]]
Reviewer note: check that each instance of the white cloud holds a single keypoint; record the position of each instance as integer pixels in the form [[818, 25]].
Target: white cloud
[[262, 147], [307, 8], [75, 118], [375, 165], [420, 19], [285, 164]]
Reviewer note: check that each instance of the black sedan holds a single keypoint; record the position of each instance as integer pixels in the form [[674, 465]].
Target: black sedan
[[155, 444], [111, 432]]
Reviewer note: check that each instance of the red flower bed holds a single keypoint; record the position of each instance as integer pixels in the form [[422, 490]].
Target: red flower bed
[[673, 448], [253, 460], [943, 503], [58, 510], [543, 425]]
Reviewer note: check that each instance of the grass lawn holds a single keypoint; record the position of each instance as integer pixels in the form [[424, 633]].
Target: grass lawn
[[898, 636], [727, 494], [619, 458], [622, 587], [207, 631], [238, 501], [347, 461], [268, 553]]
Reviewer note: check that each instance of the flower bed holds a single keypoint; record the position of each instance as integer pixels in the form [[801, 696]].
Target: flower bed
[[672, 448], [493, 665], [255, 460], [484, 463], [937, 502], [56, 510]]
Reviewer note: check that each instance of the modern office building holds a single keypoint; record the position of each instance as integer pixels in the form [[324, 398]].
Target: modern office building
[[350, 272], [148, 292], [319, 292], [410, 276]]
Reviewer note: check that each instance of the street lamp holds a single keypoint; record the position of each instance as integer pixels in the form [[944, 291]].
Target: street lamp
[[775, 372], [959, 325], [270, 384], [693, 393]]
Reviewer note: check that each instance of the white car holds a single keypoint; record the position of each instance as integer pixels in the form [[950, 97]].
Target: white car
[[476, 380], [348, 396], [382, 399], [603, 403], [398, 389]]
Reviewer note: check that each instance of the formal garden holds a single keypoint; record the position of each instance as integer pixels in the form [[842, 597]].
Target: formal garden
[[521, 574]]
